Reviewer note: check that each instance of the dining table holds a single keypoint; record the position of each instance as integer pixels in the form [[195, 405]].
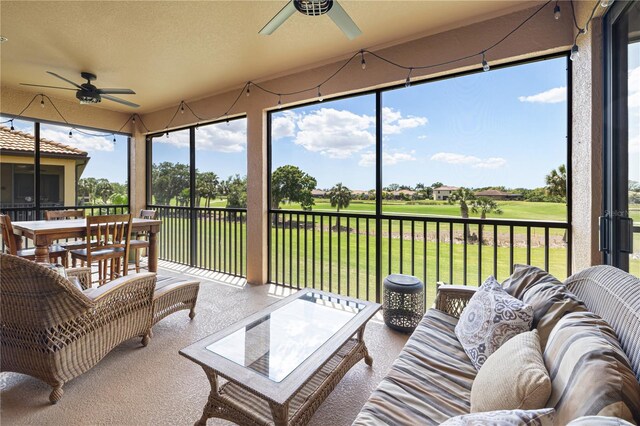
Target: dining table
[[44, 232]]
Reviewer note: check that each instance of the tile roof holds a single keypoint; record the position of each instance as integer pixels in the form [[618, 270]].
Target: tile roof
[[14, 140], [446, 188]]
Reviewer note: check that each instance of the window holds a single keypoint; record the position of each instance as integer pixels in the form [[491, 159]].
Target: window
[[198, 186], [465, 177]]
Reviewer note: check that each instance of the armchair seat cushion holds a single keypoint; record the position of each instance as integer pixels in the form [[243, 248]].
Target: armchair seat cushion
[[433, 363]]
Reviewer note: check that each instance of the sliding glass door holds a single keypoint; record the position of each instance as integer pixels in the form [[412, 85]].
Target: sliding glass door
[[620, 224]]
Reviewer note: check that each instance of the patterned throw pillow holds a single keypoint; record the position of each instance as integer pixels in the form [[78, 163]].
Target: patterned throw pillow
[[543, 417], [599, 421], [491, 318]]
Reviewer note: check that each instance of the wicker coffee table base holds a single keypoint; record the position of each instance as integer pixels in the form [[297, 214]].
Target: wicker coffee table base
[[240, 404]]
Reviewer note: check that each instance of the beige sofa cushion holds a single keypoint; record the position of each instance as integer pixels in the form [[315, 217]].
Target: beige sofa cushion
[[590, 374], [514, 377], [429, 382], [542, 417], [490, 319]]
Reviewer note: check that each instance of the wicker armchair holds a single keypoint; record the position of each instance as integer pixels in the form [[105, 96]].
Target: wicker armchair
[[452, 299], [51, 330]]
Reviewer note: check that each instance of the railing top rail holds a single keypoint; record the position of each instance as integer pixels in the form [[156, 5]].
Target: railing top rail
[[228, 209], [427, 218]]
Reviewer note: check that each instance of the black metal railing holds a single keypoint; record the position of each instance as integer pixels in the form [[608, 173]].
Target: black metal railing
[[208, 238], [341, 252]]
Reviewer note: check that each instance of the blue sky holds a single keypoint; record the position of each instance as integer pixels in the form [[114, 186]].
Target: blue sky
[[503, 127]]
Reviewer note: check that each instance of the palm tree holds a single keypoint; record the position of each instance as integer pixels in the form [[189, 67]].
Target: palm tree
[[340, 196], [484, 206], [462, 196], [556, 182]]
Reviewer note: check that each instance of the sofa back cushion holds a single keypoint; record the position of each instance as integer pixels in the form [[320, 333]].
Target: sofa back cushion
[[590, 373], [550, 302], [614, 295], [525, 277]]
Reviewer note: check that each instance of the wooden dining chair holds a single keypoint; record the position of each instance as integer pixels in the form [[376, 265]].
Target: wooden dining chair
[[66, 215], [141, 241], [56, 251], [111, 246]]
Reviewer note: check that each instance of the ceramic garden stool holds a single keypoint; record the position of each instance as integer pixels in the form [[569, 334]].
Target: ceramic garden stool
[[403, 303]]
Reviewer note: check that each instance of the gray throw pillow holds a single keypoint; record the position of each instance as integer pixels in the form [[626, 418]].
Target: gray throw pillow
[[491, 318]]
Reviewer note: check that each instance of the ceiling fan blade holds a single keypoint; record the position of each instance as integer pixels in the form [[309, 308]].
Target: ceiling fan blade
[[50, 87], [343, 21], [64, 79], [279, 19], [116, 91], [120, 101]]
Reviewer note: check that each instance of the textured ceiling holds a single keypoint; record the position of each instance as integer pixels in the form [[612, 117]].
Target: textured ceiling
[[172, 50]]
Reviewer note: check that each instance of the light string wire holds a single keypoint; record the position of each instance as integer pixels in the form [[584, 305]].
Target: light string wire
[[316, 87]]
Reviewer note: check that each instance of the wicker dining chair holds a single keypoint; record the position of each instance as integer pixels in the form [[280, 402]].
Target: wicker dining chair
[[141, 241], [111, 247], [51, 330], [66, 215], [56, 251]]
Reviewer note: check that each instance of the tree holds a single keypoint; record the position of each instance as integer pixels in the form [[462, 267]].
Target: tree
[[237, 191], [293, 185], [87, 190], [556, 183], [104, 189], [437, 185], [169, 180], [207, 184], [423, 192], [340, 196], [462, 196], [485, 206], [392, 187]]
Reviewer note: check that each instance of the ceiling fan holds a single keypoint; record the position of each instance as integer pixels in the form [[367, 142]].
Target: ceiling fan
[[87, 93], [315, 8]]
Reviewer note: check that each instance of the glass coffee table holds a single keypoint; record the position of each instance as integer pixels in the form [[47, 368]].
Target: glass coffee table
[[278, 365]]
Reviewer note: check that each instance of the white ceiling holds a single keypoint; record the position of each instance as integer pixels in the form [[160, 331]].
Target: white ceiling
[[172, 50]]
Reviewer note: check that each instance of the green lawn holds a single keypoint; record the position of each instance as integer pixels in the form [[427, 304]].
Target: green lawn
[[510, 209]]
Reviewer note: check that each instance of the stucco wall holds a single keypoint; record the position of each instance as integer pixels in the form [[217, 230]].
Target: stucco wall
[[587, 132]]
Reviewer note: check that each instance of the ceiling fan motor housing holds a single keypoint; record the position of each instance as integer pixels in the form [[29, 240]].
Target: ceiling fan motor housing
[[88, 97], [313, 7]]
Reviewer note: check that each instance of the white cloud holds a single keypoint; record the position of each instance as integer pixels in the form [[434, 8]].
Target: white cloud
[[335, 133], [551, 96], [179, 139], [469, 160], [78, 140], [368, 159], [219, 137], [394, 123], [284, 125], [223, 137], [423, 137]]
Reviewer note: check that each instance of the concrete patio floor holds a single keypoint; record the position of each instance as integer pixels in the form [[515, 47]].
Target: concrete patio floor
[[134, 385]]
